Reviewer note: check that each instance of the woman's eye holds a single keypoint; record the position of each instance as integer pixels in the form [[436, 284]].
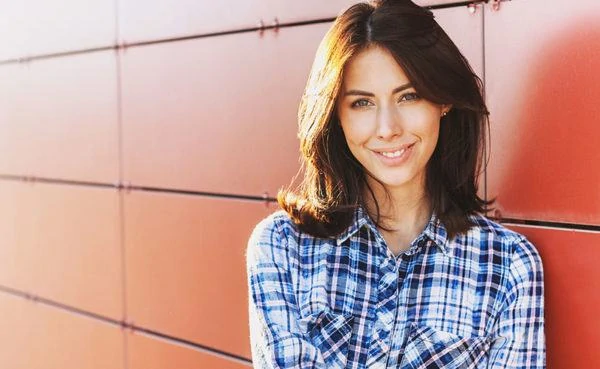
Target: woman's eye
[[409, 96], [360, 103]]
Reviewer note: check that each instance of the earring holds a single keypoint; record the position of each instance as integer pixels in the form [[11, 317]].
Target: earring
[[444, 113]]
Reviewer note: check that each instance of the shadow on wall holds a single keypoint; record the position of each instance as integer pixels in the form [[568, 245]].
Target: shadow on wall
[[554, 169]]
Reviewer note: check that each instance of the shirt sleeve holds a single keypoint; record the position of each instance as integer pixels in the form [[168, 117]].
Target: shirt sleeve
[[275, 337], [518, 339]]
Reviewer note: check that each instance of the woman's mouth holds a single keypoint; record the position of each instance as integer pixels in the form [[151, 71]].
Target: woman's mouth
[[395, 156]]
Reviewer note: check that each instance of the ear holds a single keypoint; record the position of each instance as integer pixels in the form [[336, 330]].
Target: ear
[[445, 109]]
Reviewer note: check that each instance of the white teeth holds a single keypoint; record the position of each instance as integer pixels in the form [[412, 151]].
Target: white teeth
[[394, 154]]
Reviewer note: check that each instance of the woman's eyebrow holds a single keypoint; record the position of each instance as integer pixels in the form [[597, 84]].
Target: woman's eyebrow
[[365, 93]]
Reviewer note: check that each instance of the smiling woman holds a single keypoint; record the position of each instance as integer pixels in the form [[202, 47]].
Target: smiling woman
[[383, 257]]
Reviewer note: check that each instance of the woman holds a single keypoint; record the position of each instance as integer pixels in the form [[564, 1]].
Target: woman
[[382, 258]]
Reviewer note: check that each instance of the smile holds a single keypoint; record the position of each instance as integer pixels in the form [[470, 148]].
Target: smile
[[395, 152], [395, 156]]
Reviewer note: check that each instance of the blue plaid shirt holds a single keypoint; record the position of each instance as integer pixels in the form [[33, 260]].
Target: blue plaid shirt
[[474, 301]]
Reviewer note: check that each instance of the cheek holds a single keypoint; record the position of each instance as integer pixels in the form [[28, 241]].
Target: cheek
[[356, 131], [423, 123], [431, 136]]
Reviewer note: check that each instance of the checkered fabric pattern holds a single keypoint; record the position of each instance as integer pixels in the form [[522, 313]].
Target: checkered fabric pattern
[[473, 301]]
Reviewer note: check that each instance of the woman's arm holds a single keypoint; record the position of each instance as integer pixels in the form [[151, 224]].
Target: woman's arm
[[519, 340], [276, 339]]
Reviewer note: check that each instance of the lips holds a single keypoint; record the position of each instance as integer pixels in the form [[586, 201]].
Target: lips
[[394, 152], [394, 156]]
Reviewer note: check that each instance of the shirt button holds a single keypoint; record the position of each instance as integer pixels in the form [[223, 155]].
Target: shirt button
[[388, 265]]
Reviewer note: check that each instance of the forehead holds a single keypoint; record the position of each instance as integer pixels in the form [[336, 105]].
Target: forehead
[[375, 67]]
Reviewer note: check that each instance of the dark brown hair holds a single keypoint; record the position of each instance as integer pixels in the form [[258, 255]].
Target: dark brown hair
[[334, 181]]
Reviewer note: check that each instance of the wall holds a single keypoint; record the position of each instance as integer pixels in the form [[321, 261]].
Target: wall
[[142, 141]]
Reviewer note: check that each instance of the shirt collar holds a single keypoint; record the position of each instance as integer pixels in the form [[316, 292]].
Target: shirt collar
[[434, 230], [359, 219]]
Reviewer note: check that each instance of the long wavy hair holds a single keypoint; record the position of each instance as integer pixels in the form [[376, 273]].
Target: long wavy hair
[[334, 182]]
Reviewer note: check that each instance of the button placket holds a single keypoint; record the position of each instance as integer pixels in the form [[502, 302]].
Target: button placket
[[399, 330], [387, 297]]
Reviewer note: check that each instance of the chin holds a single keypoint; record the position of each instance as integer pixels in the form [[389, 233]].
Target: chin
[[393, 182], [399, 179]]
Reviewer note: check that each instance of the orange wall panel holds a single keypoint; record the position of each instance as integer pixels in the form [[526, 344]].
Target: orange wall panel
[[15, 263], [34, 27], [216, 114], [144, 352], [542, 79], [160, 19], [59, 118], [185, 263], [38, 336], [62, 243], [572, 295]]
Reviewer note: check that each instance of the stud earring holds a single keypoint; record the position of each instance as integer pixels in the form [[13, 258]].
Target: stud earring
[[444, 113]]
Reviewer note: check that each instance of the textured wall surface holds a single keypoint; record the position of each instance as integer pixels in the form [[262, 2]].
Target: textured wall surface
[[141, 141]]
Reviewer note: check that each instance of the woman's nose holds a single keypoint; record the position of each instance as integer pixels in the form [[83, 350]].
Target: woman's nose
[[388, 123]]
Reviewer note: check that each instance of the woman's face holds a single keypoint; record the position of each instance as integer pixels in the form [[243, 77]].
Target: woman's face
[[389, 129]]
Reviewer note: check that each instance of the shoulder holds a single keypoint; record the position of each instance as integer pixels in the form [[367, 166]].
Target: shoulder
[[277, 225], [271, 238], [490, 229], [277, 239], [503, 245], [511, 259], [492, 232]]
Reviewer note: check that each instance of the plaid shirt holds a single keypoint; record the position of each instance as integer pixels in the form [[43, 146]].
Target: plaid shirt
[[474, 301]]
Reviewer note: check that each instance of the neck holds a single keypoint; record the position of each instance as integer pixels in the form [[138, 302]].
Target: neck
[[404, 212]]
